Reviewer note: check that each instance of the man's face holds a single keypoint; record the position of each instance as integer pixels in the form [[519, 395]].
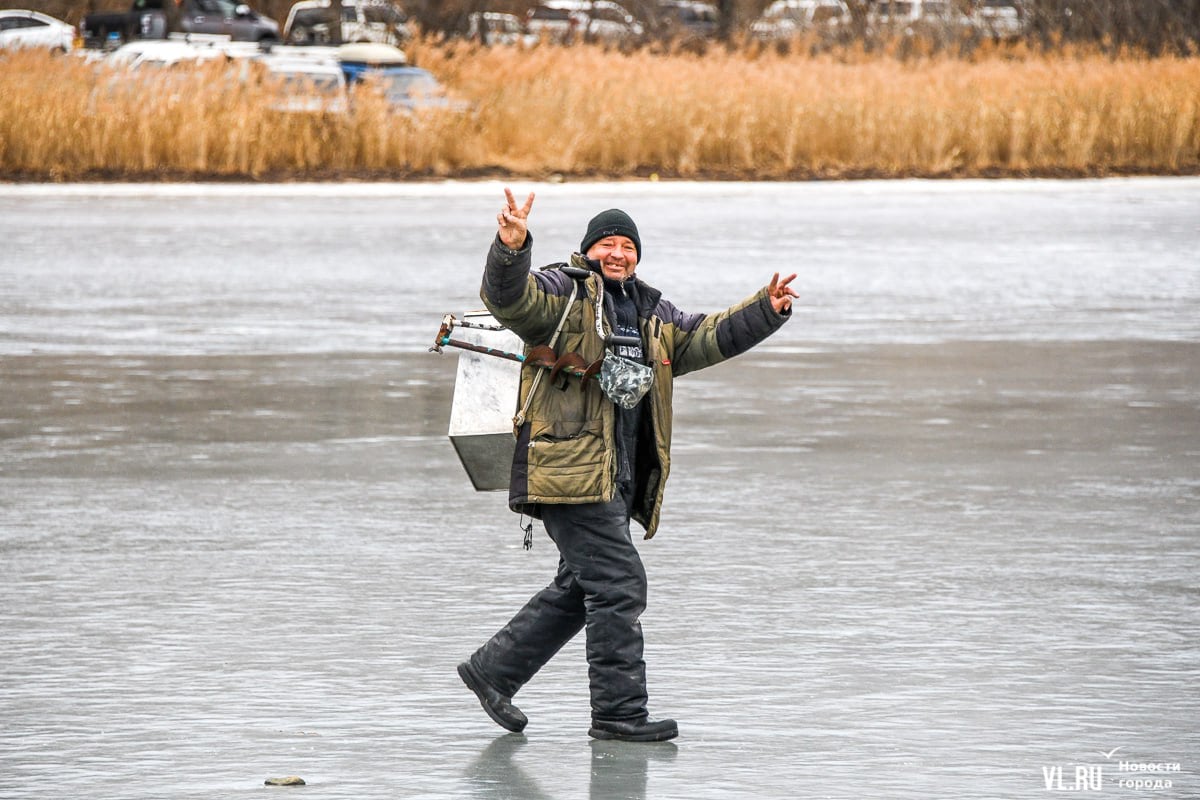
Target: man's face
[[617, 256]]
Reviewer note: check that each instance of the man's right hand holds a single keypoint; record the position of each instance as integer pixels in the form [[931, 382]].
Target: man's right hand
[[513, 220]]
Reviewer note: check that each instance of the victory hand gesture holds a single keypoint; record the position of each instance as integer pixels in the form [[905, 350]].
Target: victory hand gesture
[[780, 293], [512, 220]]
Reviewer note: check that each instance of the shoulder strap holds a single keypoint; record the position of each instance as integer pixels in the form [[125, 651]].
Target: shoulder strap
[[519, 419]]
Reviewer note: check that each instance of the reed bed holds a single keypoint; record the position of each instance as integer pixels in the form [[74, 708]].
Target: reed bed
[[590, 112]]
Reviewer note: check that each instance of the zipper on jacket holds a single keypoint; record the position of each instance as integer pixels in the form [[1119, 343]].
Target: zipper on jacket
[[527, 527]]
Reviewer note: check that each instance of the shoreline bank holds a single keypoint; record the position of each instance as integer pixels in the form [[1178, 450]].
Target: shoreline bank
[[284, 177]]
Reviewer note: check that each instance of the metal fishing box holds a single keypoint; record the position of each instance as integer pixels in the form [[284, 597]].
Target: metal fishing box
[[485, 400]]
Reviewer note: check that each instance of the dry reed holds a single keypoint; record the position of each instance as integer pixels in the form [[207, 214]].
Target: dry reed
[[588, 111]]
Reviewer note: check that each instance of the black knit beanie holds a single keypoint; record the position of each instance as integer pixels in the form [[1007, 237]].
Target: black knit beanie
[[613, 222]]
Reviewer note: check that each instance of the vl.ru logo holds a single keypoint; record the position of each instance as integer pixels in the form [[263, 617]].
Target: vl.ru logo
[[1087, 777], [1138, 775]]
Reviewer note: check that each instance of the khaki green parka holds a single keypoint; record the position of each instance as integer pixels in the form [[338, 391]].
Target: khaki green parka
[[566, 448]]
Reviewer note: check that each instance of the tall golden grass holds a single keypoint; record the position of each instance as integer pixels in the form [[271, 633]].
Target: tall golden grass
[[591, 112]]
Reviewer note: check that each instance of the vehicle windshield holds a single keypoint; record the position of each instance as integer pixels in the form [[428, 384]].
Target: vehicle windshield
[[607, 14], [541, 12], [316, 84], [17, 23], [226, 8], [389, 15], [155, 63], [825, 14], [698, 14], [406, 87], [309, 17], [782, 11]]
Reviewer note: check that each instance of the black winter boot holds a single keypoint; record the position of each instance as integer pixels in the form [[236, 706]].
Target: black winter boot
[[643, 729], [497, 706]]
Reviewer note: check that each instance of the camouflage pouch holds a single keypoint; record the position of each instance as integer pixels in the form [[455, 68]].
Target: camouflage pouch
[[624, 381]]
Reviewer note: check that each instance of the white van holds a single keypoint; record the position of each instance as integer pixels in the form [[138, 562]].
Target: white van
[[362, 21]]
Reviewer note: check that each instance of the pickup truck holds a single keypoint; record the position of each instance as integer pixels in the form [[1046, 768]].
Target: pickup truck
[[148, 19]]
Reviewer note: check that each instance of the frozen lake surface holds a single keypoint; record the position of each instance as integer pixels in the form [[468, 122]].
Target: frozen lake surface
[[939, 537]]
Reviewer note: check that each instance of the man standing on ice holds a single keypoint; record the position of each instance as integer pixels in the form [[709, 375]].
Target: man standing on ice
[[592, 454]]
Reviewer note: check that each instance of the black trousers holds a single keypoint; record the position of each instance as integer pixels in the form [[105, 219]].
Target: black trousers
[[601, 588]]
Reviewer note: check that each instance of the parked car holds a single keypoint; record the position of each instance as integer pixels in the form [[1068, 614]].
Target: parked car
[[153, 53], [384, 69], [147, 19], [232, 18], [493, 27], [157, 68], [682, 20], [564, 21], [999, 19], [408, 89], [20, 28], [908, 17], [610, 22], [362, 21], [555, 22], [306, 84], [784, 19]]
